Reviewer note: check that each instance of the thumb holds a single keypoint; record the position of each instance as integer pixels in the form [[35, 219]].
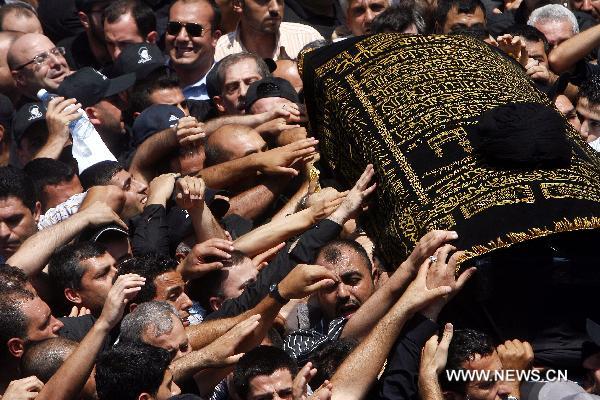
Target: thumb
[[439, 291], [288, 171], [231, 360]]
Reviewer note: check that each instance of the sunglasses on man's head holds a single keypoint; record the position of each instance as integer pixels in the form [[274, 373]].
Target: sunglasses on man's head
[[193, 29]]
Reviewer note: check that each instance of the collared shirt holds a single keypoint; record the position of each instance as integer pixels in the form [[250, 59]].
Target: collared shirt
[[198, 90], [293, 37]]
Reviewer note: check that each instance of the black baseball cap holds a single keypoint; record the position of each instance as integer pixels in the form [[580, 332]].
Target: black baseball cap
[[25, 117], [139, 58], [89, 86], [95, 234], [155, 118], [7, 112], [270, 87]]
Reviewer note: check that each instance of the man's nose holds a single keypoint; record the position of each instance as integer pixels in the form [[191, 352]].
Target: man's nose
[[587, 5], [274, 8], [4, 231], [186, 303], [342, 291]]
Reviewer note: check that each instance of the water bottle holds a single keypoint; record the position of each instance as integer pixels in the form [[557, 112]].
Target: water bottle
[[84, 136]]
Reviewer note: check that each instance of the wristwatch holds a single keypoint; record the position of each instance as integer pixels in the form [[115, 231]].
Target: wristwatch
[[274, 293]]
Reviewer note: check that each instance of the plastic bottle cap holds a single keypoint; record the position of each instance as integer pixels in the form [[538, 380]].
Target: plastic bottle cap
[[41, 93]]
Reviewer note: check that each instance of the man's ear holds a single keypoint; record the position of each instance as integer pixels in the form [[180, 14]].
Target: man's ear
[[218, 101], [93, 115], [83, 18], [152, 37], [215, 303], [37, 210], [18, 78], [215, 37], [16, 347], [72, 296], [132, 307], [145, 396]]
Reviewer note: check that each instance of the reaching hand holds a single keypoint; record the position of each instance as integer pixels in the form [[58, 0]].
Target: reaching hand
[[300, 384], [189, 192], [442, 273], [189, 130], [197, 264], [540, 73], [23, 389], [79, 312], [514, 47], [426, 246], [161, 188], [434, 355], [221, 352], [262, 260], [123, 290], [281, 159], [356, 197], [275, 127], [304, 280], [515, 355], [99, 213], [323, 207], [324, 392], [418, 295]]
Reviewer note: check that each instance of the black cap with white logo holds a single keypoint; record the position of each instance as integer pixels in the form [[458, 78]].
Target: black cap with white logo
[[89, 86], [140, 58], [155, 118], [26, 116]]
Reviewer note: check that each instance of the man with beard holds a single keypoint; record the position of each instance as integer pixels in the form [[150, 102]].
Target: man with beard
[[261, 31], [36, 63], [88, 48]]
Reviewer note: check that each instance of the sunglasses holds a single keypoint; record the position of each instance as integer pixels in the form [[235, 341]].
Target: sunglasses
[[193, 29]]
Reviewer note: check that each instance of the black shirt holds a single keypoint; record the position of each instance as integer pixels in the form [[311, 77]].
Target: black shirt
[[295, 12], [78, 52]]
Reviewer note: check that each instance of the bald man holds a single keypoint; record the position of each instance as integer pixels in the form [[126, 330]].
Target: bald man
[[288, 70], [231, 142], [7, 83], [36, 63], [19, 18]]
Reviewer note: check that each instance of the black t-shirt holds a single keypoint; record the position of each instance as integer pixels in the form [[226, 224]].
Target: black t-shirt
[[59, 19], [78, 53], [295, 12]]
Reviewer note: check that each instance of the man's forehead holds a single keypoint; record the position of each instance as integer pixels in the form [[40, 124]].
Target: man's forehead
[[169, 279], [11, 205], [28, 46], [198, 11], [243, 69], [366, 3], [489, 362], [348, 261], [590, 110]]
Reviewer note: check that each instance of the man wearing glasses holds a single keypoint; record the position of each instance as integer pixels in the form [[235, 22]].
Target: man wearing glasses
[[192, 34], [36, 63]]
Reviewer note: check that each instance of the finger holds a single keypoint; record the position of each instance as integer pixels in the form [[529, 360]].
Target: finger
[[431, 345], [464, 277], [212, 251], [119, 221], [444, 251], [232, 360], [322, 284], [74, 312], [286, 171], [446, 337], [437, 292]]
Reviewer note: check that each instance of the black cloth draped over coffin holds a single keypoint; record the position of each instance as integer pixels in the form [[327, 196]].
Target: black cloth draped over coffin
[[415, 107]]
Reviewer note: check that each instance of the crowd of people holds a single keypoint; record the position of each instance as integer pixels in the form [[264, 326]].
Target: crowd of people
[[199, 252]]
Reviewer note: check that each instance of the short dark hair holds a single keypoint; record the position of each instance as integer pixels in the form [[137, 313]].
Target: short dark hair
[[590, 89], [398, 18], [149, 266], [143, 15], [530, 33], [262, 360], [211, 284], [215, 23], [15, 183], [100, 173], [475, 31], [20, 9], [47, 171], [128, 370], [43, 359], [13, 291], [332, 254], [464, 346], [330, 357], [464, 7], [139, 99], [65, 268]]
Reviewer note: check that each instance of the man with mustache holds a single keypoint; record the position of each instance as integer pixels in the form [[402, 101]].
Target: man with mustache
[[261, 31]]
